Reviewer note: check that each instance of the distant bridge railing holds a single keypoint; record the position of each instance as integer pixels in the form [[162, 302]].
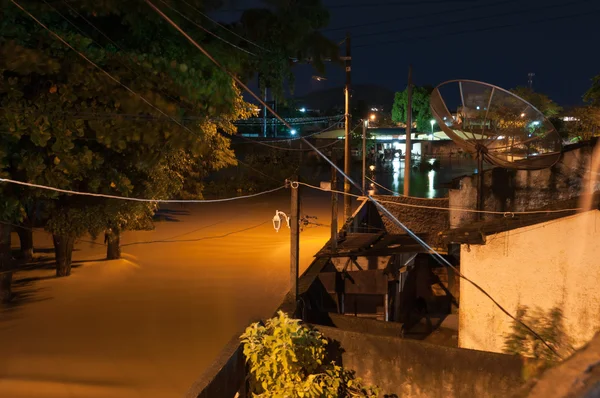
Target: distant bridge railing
[[255, 121]]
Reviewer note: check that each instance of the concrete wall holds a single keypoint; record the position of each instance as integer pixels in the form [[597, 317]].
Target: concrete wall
[[411, 368], [556, 263], [520, 190]]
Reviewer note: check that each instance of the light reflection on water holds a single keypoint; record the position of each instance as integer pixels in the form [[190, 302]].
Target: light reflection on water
[[423, 183]]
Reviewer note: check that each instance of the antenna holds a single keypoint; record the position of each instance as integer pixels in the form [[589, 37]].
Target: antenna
[[530, 76], [496, 126]]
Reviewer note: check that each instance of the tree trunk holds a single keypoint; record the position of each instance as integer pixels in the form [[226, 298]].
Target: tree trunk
[[63, 249], [113, 247], [5, 263], [26, 239]]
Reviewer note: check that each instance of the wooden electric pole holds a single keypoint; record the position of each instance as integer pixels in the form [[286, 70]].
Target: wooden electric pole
[[295, 238], [407, 154], [347, 154], [364, 156], [334, 204]]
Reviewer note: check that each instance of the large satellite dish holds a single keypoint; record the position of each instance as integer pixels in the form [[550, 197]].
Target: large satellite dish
[[495, 125]]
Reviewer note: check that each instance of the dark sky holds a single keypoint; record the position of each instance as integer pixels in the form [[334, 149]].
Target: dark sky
[[496, 41]]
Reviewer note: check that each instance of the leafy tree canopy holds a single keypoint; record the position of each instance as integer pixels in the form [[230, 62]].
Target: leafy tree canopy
[[288, 31], [65, 124], [541, 101], [421, 112]]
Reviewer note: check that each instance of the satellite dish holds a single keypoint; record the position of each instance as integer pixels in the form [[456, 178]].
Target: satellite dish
[[495, 125]]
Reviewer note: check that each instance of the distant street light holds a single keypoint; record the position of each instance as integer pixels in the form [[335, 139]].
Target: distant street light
[[293, 132], [302, 110], [372, 117]]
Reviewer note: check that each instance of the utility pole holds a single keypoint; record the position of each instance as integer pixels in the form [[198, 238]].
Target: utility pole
[[364, 156], [334, 204], [407, 154], [347, 154], [295, 237], [530, 76], [265, 114]]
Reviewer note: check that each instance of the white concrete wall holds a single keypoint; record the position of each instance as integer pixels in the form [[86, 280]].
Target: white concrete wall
[[556, 263]]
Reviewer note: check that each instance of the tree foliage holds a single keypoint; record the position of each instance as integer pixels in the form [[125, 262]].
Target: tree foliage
[[585, 123], [421, 112], [288, 32], [549, 325], [65, 124], [288, 359], [541, 101]]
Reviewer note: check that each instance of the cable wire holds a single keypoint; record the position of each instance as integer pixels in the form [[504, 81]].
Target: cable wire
[[100, 195], [73, 10], [224, 27], [485, 29], [381, 186], [388, 214], [197, 239], [398, 3], [205, 30], [98, 67], [426, 15], [502, 213], [466, 20]]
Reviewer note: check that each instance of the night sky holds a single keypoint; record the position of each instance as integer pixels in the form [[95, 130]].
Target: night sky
[[496, 41]]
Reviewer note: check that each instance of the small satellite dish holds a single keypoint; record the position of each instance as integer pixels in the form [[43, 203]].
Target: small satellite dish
[[496, 125]]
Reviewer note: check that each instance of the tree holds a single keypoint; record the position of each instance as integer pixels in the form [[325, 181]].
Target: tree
[[541, 101], [421, 112], [585, 123], [66, 125], [288, 33], [288, 359], [592, 96]]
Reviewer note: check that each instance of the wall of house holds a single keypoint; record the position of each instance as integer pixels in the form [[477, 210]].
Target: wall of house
[[543, 266], [414, 369], [520, 190]]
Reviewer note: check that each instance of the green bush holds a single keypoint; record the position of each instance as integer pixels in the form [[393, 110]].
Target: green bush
[[287, 359]]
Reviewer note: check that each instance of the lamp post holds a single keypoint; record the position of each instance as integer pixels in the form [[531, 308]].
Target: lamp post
[[432, 122], [364, 153]]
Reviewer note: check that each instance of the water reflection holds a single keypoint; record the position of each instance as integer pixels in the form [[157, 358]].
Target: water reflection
[[423, 183]]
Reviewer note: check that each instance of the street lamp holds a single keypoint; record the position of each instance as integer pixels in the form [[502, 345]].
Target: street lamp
[[372, 117], [432, 122], [293, 132]]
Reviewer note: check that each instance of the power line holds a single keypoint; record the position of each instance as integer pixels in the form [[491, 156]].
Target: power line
[[206, 30], [478, 18], [197, 239], [381, 186], [100, 195], [503, 213], [440, 259], [72, 9], [117, 81], [264, 143], [224, 27], [425, 15], [398, 3], [98, 67], [489, 28]]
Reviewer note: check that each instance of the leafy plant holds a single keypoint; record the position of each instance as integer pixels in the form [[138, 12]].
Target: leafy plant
[[550, 327], [288, 359]]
